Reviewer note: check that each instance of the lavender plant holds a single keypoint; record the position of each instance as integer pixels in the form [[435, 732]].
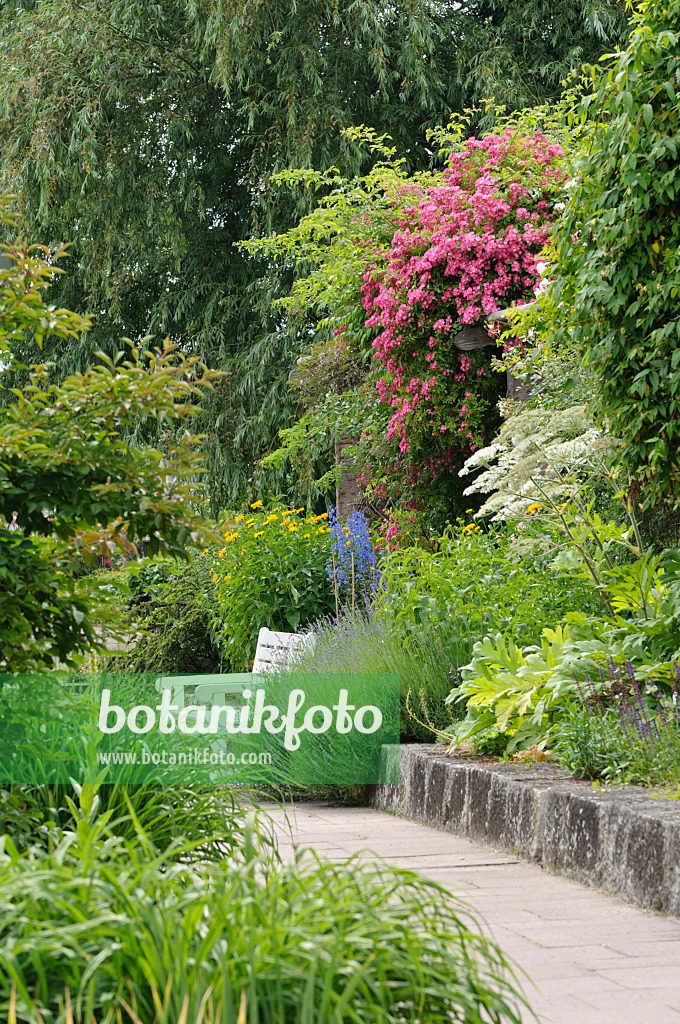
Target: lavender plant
[[617, 733], [422, 660]]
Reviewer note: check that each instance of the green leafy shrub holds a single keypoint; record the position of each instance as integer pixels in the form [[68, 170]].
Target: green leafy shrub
[[434, 605], [271, 572], [174, 629], [618, 244], [70, 487], [113, 927], [523, 693], [474, 585]]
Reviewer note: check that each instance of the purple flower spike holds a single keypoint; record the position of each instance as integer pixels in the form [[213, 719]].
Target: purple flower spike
[[352, 543]]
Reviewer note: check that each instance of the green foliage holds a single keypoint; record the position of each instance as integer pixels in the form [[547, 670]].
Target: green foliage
[[147, 132], [175, 625], [271, 572], [595, 744], [522, 694], [513, 691], [208, 817], [440, 604], [155, 128], [474, 585], [113, 927], [37, 811], [351, 225], [70, 488], [22, 816], [518, 55], [149, 576], [619, 272]]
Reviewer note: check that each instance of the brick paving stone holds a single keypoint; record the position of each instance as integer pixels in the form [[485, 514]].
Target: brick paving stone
[[591, 958]]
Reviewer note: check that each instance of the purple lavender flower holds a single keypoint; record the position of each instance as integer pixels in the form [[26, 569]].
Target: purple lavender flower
[[455, 677]]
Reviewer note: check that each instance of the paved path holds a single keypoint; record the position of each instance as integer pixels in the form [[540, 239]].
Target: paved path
[[593, 958]]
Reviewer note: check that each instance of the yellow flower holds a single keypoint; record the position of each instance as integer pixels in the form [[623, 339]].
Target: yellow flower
[[271, 518], [469, 528], [204, 553], [256, 504], [293, 527], [249, 522], [306, 535], [259, 533], [215, 577], [228, 577], [533, 508], [220, 554], [469, 510], [347, 543], [239, 518], [289, 513], [324, 515], [321, 530], [298, 510]]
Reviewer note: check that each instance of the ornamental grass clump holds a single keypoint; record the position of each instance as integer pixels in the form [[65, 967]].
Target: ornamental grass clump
[[422, 661], [106, 931]]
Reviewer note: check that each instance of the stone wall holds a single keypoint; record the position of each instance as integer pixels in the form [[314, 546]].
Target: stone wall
[[624, 840]]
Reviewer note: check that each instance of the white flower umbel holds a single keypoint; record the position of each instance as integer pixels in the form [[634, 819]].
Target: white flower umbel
[[539, 456]]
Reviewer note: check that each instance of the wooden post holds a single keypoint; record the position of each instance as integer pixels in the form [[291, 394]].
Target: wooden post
[[347, 491]]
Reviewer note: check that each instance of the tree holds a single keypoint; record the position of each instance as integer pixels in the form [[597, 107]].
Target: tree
[[518, 54], [618, 265], [70, 488], [147, 132]]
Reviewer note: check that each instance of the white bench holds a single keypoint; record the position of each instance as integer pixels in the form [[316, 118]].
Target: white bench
[[274, 650], [273, 654]]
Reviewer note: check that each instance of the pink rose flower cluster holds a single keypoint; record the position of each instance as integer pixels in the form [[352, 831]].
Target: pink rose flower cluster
[[466, 250]]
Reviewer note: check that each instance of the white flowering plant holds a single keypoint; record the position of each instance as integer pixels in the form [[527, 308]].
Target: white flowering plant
[[539, 457]]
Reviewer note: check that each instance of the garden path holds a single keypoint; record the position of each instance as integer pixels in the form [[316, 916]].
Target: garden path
[[592, 958]]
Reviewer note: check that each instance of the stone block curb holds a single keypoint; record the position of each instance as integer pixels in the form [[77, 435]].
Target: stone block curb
[[622, 840]]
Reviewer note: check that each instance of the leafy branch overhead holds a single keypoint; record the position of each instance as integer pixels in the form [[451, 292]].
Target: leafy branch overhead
[[70, 486], [619, 279]]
